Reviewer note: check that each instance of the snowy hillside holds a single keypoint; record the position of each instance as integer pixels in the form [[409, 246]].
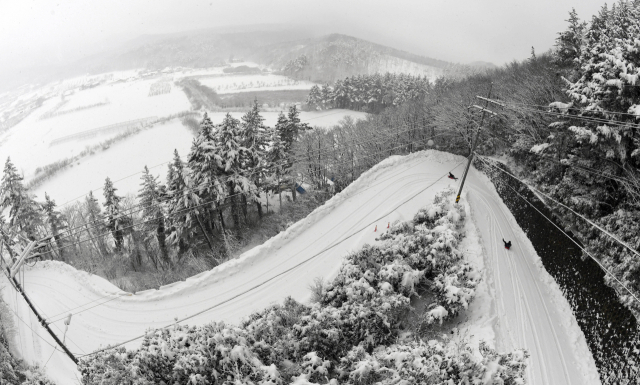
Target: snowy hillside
[[517, 302]]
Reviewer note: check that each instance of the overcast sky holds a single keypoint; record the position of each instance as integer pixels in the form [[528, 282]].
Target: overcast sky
[[498, 31]]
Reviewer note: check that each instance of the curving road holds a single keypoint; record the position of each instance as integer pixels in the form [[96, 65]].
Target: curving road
[[530, 313]]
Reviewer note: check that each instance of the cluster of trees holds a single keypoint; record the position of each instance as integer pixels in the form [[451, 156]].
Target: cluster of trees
[[597, 139], [352, 336], [370, 93], [205, 197]]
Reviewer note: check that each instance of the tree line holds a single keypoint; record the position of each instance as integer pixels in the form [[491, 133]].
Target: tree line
[[370, 93], [206, 198]]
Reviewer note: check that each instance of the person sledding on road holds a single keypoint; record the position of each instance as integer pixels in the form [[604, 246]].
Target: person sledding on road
[[451, 176], [507, 245]]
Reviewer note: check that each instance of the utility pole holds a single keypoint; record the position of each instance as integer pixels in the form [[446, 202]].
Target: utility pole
[[11, 276], [475, 142]]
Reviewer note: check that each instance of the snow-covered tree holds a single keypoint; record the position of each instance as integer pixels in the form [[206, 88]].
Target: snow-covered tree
[[114, 216], [152, 196], [229, 154], [253, 137], [55, 222], [95, 223], [569, 42], [25, 214]]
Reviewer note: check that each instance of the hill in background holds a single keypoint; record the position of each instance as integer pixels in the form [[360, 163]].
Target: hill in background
[[295, 50]]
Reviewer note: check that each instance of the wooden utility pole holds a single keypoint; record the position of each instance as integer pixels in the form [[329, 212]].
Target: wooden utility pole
[[10, 276], [44, 324], [475, 142]]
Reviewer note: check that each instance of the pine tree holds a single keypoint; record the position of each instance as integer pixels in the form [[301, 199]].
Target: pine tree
[[292, 131], [113, 211], [253, 137], [314, 100], [277, 160], [152, 200], [205, 173], [7, 240], [569, 42], [185, 206], [229, 155], [55, 222], [25, 213], [94, 223]]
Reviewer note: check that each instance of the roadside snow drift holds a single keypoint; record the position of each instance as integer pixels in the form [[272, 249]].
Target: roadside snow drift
[[527, 307]]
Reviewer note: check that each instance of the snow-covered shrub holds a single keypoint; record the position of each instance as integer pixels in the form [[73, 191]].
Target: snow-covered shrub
[[215, 353], [432, 363], [348, 336]]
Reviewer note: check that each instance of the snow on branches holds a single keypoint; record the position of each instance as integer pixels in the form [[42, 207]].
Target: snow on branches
[[349, 336]]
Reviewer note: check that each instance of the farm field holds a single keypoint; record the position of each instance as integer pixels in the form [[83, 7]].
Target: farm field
[[29, 142], [151, 147], [227, 84]]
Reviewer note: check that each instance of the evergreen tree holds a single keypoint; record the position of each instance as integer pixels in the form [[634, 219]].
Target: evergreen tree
[[254, 135], [278, 162], [314, 100], [292, 131], [113, 211], [569, 42], [55, 222], [95, 223], [7, 240], [25, 213], [205, 173], [184, 206], [151, 198], [230, 154]]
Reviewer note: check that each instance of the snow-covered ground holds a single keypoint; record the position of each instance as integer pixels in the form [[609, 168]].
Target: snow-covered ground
[[520, 303], [29, 142], [123, 162], [232, 83]]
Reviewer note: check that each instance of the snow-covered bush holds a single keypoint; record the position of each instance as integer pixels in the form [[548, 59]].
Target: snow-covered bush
[[432, 363], [348, 336], [215, 353]]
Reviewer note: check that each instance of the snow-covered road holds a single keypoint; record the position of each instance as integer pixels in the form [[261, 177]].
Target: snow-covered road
[[531, 311]]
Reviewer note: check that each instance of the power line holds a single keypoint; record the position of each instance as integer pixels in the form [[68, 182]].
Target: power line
[[587, 169], [582, 118], [570, 108], [574, 212], [80, 306], [179, 212], [96, 223], [279, 274], [224, 179], [561, 230], [163, 163]]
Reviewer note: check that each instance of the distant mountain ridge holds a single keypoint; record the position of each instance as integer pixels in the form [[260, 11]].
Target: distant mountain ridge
[[327, 57]]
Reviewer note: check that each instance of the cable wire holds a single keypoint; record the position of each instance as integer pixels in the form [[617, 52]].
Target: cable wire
[[182, 211], [160, 164], [563, 232], [302, 159], [279, 274], [595, 225]]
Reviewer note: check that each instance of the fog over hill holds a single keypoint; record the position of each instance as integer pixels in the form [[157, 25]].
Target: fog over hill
[[270, 45]]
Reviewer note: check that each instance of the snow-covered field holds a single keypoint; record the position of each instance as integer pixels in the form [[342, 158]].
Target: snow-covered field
[[152, 147], [227, 84], [519, 302], [29, 143]]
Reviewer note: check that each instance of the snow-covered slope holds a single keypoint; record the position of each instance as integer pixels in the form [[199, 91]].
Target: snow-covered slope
[[528, 308]]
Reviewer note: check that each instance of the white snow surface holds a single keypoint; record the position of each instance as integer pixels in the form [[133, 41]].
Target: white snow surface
[[520, 304], [231, 83]]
